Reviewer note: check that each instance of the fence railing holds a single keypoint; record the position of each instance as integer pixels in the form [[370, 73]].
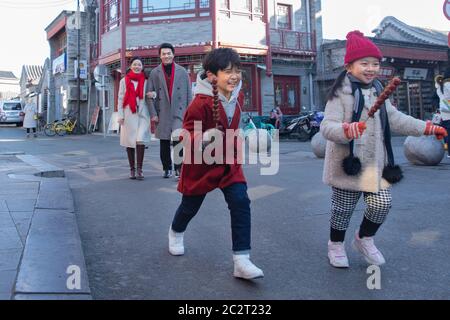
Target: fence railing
[[292, 40]]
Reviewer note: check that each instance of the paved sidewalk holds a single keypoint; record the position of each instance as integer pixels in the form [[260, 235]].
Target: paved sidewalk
[[18, 194], [39, 237]]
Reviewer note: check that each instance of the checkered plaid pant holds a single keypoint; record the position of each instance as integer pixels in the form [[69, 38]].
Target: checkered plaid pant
[[343, 203]]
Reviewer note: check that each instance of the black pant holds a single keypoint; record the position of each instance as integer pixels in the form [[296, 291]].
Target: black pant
[[446, 125], [165, 154], [239, 206], [28, 130]]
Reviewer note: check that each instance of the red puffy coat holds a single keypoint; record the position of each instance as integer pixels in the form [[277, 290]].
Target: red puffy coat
[[199, 179]]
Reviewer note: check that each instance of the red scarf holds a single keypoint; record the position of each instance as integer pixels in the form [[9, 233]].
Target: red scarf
[[132, 94], [169, 82]]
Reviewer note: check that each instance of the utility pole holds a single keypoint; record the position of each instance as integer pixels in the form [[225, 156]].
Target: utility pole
[[78, 66]]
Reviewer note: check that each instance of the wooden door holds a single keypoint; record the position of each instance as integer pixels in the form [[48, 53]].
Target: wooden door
[[287, 94]]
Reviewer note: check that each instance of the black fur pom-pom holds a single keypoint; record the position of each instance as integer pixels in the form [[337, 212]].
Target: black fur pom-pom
[[351, 165], [393, 174]]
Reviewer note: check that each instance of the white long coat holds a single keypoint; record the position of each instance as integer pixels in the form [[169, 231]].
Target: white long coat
[[136, 127], [29, 121]]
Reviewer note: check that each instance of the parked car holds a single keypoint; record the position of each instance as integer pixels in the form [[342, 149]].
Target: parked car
[[12, 112]]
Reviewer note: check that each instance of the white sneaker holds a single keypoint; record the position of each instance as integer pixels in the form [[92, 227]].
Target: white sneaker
[[367, 248], [244, 268], [337, 255], [176, 243]]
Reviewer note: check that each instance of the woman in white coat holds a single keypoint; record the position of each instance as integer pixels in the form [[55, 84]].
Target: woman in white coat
[[29, 121], [134, 116]]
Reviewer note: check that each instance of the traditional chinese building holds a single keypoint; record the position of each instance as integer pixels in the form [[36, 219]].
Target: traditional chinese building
[[414, 54], [9, 86], [277, 41], [62, 35]]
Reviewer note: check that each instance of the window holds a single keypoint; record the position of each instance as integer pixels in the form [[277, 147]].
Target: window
[[61, 44], [154, 6], [254, 9], [111, 14], [151, 10], [204, 4], [241, 5], [134, 6], [258, 6], [224, 4], [284, 16]]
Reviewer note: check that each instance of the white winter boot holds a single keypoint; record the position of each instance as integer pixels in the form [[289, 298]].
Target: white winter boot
[[176, 243], [244, 268]]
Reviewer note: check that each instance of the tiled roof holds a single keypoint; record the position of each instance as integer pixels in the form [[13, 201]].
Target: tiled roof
[[32, 73], [418, 34], [7, 75]]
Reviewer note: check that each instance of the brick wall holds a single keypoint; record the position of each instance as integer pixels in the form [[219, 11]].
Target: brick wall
[[176, 32]]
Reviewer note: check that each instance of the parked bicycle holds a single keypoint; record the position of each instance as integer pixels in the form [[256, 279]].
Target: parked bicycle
[[70, 126], [66, 125]]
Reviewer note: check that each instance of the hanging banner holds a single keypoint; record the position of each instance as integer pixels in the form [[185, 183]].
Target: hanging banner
[[59, 64]]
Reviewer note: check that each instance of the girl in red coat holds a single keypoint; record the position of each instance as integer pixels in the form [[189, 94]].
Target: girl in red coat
[[222, 65]]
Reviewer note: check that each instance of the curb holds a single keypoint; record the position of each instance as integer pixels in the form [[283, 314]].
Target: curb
[[52, 265], [45, 169]]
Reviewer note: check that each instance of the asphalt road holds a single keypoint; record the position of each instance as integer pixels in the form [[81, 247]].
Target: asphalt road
[[123, 226]]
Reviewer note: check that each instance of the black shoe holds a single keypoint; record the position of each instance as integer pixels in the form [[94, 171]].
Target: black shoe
[[167, 174], [177, 173]]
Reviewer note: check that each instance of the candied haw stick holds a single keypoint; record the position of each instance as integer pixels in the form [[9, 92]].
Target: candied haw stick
[[390, 88], [216, 115]]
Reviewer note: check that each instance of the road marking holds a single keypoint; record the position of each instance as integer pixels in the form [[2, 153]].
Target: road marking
[[263, 191], [425, 238]]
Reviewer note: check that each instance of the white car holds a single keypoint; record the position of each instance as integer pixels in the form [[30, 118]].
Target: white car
[[11, 112]]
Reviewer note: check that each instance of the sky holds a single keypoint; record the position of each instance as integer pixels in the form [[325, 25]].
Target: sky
[[22, 23]]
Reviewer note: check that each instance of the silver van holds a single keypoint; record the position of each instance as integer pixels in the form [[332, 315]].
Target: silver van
[[10, 112]]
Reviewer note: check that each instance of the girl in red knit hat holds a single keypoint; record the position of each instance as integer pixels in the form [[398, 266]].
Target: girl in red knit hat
[[359, 159]]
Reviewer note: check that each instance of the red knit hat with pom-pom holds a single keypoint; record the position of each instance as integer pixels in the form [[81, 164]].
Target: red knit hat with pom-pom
[[358, 47]]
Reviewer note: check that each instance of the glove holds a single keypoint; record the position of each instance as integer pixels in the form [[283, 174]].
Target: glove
[[438, 131], [354, 130]]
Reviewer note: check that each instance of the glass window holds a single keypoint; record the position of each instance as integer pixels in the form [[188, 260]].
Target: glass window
[[241, 5], [258, 6], [204, 4], [134, 6], [112, 14], [154, 6], [284, 16], [224, 4]]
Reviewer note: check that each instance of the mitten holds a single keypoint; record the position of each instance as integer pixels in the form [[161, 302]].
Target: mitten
[[354, 130], [438, 131]]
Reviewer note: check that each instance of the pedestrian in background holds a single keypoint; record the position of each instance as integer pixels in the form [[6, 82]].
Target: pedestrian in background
[[173, 86], [134, 116], [442, 84], [359, 158], [30, 118]]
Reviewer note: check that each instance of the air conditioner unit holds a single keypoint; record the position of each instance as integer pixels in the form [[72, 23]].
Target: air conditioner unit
[[73, 93]]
